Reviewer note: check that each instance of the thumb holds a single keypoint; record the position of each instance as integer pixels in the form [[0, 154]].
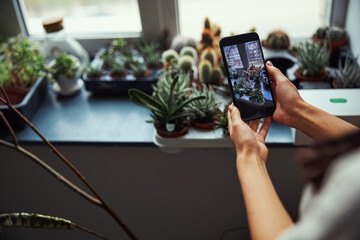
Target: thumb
[[275, 74]]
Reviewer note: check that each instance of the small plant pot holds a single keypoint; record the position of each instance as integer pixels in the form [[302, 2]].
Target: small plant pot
[[15, 94], [300, 77], [147, 74], [66, 83], [200, 125], [166, 134], [117, 78]]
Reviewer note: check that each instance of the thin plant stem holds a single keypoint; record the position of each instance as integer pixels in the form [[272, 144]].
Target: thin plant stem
[[89, 231], [51, 171], [10, 128], [73, 168]]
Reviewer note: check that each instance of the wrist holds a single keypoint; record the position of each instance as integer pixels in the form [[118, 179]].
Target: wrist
[[298, 112], [247, 160]]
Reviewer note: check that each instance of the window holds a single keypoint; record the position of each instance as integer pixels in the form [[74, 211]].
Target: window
[[298, 18], [83, 16]]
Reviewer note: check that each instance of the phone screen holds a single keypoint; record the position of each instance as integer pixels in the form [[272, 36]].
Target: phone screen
[[247, 75]]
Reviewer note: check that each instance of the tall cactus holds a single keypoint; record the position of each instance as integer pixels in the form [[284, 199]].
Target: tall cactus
[[205, 69]]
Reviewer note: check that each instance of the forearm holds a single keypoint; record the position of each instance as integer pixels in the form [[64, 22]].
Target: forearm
[[267, 216], [319, 124]]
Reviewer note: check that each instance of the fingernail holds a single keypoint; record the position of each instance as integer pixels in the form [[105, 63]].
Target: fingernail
[[230, 108], [269, 63]]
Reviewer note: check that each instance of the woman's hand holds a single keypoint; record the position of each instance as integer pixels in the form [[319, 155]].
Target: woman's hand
[[249, 143]]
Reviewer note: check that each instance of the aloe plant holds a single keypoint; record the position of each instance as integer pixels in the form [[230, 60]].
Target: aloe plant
[[203, 110], [348, 74], [313, 58], [165, 107]]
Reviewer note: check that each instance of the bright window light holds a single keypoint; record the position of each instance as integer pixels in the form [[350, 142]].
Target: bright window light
[[84, 16], [299, 18]]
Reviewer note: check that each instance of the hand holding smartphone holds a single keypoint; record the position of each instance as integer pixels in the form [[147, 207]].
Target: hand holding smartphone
[[247, 75]]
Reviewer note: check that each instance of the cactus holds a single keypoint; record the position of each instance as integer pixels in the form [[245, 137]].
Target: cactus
[[216, 76], [94, 71], [331, 33], [169, 55], [348, 75], [207, 38], [313, 58], [117, 70], [207, 24], [186, 63], [139, 70], [210, 55], [278, 40], [205, 69], [119, 44], [187, 50]]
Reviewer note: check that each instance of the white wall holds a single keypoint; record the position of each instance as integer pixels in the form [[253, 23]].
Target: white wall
[[194, 194], [352, 26]]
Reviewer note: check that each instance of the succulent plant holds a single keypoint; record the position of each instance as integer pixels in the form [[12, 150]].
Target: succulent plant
[[151, 53], [186, 63], [117, 70], [216, 76], [256, 96], [278, 39], [169, 55], [241, 87], [222, 121], [94, 71], [204, 110], [108, 59], [313, 58], [205, 69], [330, 33], [207, 38], [65, 64], [348, 74], [119, 44], [139, 69], [190, 51], [210, 55], [21, 63], [165, 107]]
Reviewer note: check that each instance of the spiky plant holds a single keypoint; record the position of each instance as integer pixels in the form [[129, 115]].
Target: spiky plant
[[313, 58], [65, 64], [94, 71], [165, 107], [256, 96], [204, 110], [108, 59], [139, 70], [117, 70], [205, 69], [210, 55], [169, 55], [278, 39], [151, 53], [186, 63], [216, 76], [330, 33], [119, 44], [348, 75], [190, 51], [222, 121]]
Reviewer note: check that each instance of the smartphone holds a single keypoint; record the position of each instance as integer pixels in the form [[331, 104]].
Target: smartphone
[[247, 75]]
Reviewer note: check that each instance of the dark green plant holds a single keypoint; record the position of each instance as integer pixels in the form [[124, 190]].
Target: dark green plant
[[313, 58], [330, 33], [216, 76], [94, 71], [348, 74], [117, 70], [165, 107], [151, 53], [65, 64], [139, 69], [222, 121], [108, 58], [204, 110], [256, 96], [189, 51], [205, 69], [22, 62]]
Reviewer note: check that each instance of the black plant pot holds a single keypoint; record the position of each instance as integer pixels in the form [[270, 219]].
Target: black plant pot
[[281, 63]]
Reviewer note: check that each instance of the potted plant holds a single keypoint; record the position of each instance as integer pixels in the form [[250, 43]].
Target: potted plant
[[313, 59], [65, 70], [152, 54], [257, 96], [108, 59], [94, 72], [277, 40], [140, 70], [21, 65], [333, 36], [348, 74], [167, 105], [222, 121], [119, 44], [118, 70], [203, 110]]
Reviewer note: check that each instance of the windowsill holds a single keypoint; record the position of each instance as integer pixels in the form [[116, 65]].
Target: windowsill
[[87, 119]]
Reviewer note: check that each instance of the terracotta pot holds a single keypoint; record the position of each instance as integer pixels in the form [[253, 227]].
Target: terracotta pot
[[320, 78], [199, 125], [15, 94], [117, 77], [166, 134]]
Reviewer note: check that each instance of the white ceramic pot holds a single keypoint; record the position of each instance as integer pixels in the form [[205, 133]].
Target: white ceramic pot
[[65, 83]]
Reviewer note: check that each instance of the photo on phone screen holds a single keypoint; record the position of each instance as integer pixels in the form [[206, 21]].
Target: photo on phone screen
[[248, 78]]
